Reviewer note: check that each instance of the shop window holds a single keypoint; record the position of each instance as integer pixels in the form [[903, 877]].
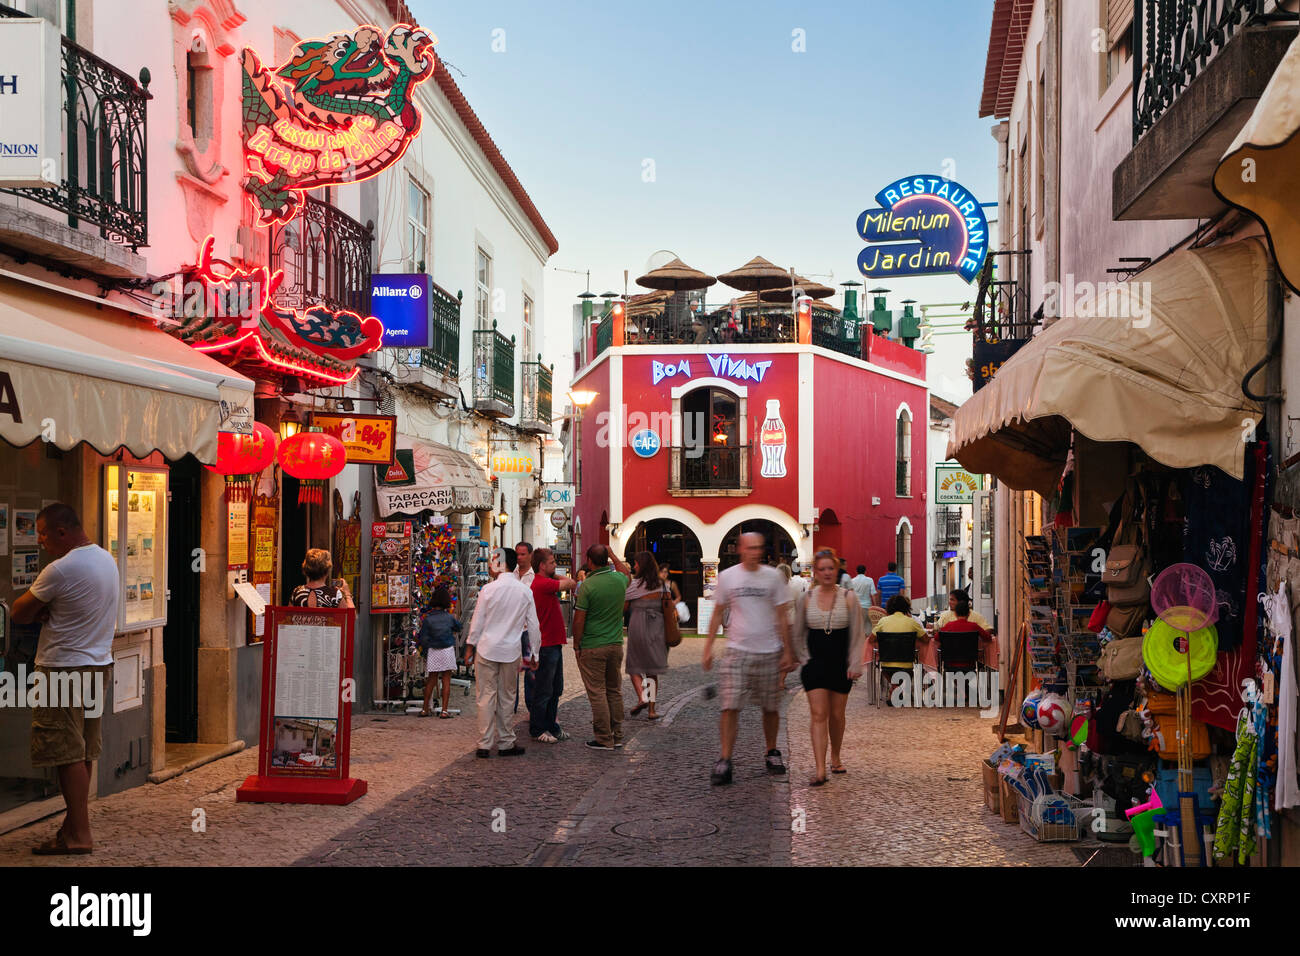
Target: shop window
[[903, 553], [903, 454], [483, 290], [417, 227]]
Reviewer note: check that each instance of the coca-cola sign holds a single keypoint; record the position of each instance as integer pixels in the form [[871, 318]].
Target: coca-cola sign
[[772, 441]]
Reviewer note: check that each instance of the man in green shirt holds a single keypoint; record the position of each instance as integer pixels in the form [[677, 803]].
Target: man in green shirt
[[598, 643]]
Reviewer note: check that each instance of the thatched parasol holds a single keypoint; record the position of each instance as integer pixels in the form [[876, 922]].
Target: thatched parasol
[[757, 275], [813, 289], [676, 276]]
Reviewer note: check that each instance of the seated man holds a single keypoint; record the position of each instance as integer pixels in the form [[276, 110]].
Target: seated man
[[951, 614]]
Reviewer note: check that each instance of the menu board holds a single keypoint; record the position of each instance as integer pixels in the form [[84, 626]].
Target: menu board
[[236, 535], [390, 567], [135, 528], [306, 715], [264, 527]]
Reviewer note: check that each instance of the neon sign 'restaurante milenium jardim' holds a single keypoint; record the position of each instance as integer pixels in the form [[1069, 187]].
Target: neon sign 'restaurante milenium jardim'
[[346, 113], [927, 225]]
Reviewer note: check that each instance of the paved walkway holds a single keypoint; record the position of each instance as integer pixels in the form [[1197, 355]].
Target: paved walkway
[[912, 796]]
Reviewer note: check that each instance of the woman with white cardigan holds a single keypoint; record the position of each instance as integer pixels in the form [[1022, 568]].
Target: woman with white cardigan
[[829, 640]]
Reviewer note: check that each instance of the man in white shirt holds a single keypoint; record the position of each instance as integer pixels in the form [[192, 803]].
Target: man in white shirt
[[504, 610], [76, 596], [759, 654], [865, 589]]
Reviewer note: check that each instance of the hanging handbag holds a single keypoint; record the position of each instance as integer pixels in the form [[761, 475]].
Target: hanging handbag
[[1121, 659], [1128, 566], [672, 631], [1125, 620]]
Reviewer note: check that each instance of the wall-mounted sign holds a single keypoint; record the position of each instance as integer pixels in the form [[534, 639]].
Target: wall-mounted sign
[[726, 366], [646, 443], [30, 87], [339, 110], [926, 225], [512, 465], [559, 519], [558, 494], [954, 485], [390, 567], [369, 439], [988, 357], [402, 303], [771, 441]]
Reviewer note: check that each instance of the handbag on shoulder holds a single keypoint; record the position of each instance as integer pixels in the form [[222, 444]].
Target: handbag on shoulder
[[672, 630]]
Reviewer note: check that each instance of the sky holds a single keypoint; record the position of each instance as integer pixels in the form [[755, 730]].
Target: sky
[[722, 131]]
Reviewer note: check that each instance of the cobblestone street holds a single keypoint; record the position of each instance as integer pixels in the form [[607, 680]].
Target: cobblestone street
[[912, 796]]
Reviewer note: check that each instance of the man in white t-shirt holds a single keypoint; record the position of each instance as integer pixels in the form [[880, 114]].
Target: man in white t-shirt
[[76, 597], [865, 589], [758, 655]]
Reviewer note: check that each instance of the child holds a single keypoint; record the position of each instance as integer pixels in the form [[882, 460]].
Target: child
[[438, 637]]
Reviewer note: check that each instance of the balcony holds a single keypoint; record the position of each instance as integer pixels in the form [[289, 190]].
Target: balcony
[[837, 334], [435, 370], [1199, 67], [494, 373], [710, 470], [325, 255], [947, 528], [535, 403], [103, 170]]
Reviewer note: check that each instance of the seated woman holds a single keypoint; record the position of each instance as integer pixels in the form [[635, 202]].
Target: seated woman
[[898, 621], [963, 621]]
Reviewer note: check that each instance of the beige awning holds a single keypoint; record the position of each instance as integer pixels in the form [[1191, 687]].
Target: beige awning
[[1260, 172], [1169, 381], [99, 375], [439, 479]]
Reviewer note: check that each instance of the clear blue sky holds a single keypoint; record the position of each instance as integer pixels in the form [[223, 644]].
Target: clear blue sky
[[757, 149]]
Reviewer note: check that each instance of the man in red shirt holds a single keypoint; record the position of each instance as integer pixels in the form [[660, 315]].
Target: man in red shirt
[[546, 683]]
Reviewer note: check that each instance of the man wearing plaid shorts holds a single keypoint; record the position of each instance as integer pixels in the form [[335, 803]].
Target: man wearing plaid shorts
[[758, 655]]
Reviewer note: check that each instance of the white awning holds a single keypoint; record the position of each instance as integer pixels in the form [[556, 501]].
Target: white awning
[[80, 373], [443, 480], [1260, 172], [1168, 381]]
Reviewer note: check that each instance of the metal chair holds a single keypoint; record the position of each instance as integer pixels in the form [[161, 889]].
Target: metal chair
[[894, 652], [959, 652]]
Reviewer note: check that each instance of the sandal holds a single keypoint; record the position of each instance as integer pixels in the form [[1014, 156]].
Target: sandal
[[445, 715], [653, 716], [817, 781], [56, 846], [425, 713], [637, 709], [840, 769]]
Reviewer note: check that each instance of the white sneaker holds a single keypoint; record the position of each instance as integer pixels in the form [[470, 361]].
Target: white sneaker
[[546, 738]]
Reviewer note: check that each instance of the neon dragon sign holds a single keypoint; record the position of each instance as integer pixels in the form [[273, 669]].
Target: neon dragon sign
[[337, 335], [339, 110]]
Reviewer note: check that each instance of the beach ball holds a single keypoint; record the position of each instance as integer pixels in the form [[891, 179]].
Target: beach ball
[[1078, 732], [1029, 708], [1054, 714]]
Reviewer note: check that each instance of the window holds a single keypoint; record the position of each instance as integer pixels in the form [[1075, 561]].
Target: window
[[530, 354], [712, 453], [903, 554], [198, 94], [1023, 200], [483, 293], [903, 454], [1117, 20], [1040, 157], [417, 227]]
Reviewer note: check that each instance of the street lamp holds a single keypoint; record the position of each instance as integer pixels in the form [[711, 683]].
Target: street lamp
[[579, 399], [502, 518]]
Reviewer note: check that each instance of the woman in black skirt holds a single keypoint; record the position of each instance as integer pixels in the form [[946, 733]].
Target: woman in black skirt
[[829, 638]]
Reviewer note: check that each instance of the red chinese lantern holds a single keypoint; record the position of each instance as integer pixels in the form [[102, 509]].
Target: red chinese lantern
[[312, 457], [241, 458]]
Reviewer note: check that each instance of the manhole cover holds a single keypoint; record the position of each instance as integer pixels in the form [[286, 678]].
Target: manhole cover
[[665, 829]]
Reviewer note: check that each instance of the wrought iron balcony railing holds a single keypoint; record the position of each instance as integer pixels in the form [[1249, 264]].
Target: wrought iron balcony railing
[[836, 333], [325, 255], [1174, 40], [442, 357], [948, 526], [535, 403], [494, 372], [102, 172], [712, 467]]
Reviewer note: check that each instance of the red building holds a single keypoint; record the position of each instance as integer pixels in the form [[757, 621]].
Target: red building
[[686, 446]]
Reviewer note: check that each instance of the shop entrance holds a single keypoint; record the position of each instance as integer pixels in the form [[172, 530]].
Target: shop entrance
[[293, 537], [181, 634], [674, 544], [780, 546]]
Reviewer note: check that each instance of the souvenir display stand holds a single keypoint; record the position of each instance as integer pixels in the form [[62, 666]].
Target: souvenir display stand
[[1160, 727]]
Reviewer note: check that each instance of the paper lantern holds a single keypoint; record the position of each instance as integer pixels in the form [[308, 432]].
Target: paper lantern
[[240, 458], [312, 457]]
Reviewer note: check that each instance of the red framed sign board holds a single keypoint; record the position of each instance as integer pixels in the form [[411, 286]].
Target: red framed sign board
[[306, 730]]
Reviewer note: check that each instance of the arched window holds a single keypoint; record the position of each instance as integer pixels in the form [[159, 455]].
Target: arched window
[[712, 453], [903, 454], [903, 553]]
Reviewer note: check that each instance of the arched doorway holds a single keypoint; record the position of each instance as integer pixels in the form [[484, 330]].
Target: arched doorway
[[779, 545], [830, 533], [673, 543]]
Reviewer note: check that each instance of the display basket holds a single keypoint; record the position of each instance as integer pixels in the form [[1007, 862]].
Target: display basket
[[1059, 822]]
